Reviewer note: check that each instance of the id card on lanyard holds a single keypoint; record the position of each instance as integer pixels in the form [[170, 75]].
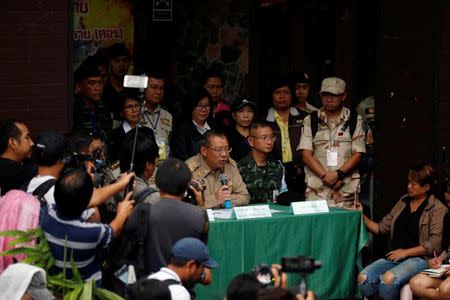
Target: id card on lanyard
[[332, 153]]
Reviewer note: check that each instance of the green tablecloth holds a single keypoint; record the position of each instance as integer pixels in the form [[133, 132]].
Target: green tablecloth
[[335, 238]]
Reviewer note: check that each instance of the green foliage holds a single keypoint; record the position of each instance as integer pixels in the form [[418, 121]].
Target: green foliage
[[40, 255]]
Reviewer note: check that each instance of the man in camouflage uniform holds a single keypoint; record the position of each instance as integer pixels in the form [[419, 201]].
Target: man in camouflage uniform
[[154, 116], [212, 161], [332, 154], [89, 111], [262, 175]]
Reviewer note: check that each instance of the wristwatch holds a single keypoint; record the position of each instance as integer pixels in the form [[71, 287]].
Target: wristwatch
[[340, 174]]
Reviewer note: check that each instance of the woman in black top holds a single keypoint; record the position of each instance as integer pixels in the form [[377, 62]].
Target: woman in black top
[[243, 114], [188, 135]]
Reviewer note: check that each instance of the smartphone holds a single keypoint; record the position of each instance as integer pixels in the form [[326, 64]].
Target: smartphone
[[129, 187]]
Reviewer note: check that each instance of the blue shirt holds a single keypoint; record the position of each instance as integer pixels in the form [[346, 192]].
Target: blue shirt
[[79, 236]]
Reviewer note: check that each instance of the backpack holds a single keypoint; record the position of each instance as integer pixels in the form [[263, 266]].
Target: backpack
[[351, 123], [128, 248], [41, 190], [18, 211]]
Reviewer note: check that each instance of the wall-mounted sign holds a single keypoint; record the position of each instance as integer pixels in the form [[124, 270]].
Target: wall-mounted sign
[[162, 10]]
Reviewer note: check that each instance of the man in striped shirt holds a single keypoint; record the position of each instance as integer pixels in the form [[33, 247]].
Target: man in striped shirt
[[67, 232]]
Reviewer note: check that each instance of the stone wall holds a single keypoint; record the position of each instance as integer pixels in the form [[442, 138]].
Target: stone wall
[[212, 32]]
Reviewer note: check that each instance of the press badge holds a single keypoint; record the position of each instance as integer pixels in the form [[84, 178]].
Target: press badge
[[332, 158]]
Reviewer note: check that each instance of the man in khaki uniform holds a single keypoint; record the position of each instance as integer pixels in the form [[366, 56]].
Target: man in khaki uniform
[[332, 154], [206, 167], [154, 116]]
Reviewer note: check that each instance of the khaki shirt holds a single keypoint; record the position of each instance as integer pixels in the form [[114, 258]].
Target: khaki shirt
[[210, 180], [160, 121], [345, 145], [430, 223]]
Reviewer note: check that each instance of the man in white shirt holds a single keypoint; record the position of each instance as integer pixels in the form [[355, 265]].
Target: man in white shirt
[[187, 266]]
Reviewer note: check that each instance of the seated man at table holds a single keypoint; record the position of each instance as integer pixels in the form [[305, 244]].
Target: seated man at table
[[213, 162], [262, 175]]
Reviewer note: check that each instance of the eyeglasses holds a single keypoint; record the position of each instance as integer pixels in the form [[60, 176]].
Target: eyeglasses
[[202, 107], [221, 149], [266, 138], [131, 107]]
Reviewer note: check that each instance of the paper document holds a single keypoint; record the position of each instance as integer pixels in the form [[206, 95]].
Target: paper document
[[436, 272], [223, 213]]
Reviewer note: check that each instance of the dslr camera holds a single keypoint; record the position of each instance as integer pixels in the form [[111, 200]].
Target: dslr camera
[[190, 197]]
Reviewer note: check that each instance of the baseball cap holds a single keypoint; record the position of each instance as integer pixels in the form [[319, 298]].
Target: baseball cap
[[19, 278], [192, 248], [50, 148], [333, 85], [240, 102], [300, 77]]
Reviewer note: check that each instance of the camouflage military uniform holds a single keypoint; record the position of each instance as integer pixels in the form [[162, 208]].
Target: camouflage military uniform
[[95, 119], [261, 181], [210, 181], [160, 121], [345, 145]]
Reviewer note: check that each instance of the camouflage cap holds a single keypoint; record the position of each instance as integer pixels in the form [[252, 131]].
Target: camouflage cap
[[333, 85]]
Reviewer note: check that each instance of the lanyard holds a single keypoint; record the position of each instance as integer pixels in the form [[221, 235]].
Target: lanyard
[[150, 121], [333, 133], [93, 121]]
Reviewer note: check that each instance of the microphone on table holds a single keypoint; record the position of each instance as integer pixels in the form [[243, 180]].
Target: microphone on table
[[224, 181]]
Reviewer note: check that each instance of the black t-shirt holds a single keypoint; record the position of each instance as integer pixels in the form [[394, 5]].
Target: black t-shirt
[[239, 144], [14, 174], [406, 227]]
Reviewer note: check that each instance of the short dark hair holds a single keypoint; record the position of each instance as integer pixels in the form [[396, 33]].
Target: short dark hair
[[258, 124], [73, 191], [282, 80], [149, 289], [146, 150], [156, 74], [196, 96], [128, 93], [178, 261], [78, 141], [117, 49], [243, 286], [173, 176], [212, 133], [215, 70], [88, 68], [424, 173], [8, 129]]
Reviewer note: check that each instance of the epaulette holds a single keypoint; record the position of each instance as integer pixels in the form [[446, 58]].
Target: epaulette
[[193, 164], [232, 162]]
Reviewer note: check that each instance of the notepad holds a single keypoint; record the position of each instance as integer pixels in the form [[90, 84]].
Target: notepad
[[436, 273]]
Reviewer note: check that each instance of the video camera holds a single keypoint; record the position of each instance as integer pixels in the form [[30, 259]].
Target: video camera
[[300, 264], [77, 160]]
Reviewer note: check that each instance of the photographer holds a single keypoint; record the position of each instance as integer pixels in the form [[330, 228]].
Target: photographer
[[170, 218], [53, 160], [265, 282]]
